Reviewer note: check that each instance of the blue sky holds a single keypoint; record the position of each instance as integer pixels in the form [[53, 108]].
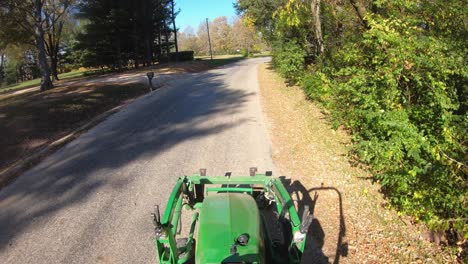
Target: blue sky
[[195, 11]]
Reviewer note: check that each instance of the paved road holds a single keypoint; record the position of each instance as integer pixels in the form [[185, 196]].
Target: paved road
[[90, 202]]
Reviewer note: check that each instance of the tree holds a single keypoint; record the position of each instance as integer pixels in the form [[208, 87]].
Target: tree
[[122, 33], [2, 62], [148, 32], [46, 82], [202, 39], [317, 26], [173, 16], [244, 35], [19, 63], [226, 37], [221, 37], [31, 18], [261, 14], [56, 15], [188, 40], [2, 67]]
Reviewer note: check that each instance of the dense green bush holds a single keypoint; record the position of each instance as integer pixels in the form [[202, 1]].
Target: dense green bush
[[399, 93], [181, 56], [288, 59], [244, 53], [395, 74]]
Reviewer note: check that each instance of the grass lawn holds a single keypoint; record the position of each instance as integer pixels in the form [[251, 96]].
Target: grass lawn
[[36, 82], [216, 62]]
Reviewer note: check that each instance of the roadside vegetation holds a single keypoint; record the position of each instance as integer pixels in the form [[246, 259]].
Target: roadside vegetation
[[394, 74], [350, 225]]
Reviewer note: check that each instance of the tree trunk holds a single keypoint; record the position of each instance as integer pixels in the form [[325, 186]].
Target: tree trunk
[[159, 44], [46, 82], [56, 44], [166, 32], [118, 53], [148, 33], [317, 26], [52, 48], [136, 52], [175, 30], [2, 68], [53, 67], [360, 12]]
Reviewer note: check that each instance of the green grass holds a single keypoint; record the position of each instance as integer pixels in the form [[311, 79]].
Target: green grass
[[219, 60], [262, 54], [216, 62], [36, 82], [25, 84]]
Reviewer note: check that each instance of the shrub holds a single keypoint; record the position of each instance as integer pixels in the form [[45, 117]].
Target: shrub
[[182, 56], [244, 53], [288, 59], [401, 94]]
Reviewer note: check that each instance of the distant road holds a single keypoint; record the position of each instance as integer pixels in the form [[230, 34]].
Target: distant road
[[90, 202]]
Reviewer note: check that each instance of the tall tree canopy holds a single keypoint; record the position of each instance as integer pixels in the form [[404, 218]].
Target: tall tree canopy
[[118, 33], [39, 22], [227, 37]]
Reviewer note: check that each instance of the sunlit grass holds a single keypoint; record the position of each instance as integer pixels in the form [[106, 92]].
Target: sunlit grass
[[36, 82]]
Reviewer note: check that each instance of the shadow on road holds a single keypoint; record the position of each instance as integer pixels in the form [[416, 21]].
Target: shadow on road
[[316, 235], [80, 170]]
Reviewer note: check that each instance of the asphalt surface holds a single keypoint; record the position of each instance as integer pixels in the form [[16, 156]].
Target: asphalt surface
[[90, 202]]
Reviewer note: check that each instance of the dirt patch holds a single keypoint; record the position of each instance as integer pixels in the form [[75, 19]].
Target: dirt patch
[[352, 223]]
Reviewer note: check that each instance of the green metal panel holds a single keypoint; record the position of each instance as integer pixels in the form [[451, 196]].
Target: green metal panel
[[223, 218], [257, 179], [230, 189]]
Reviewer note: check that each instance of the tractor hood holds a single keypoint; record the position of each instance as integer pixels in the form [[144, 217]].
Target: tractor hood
[[224, 217]]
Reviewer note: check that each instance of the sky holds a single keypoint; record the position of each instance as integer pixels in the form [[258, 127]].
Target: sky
[[193, 12]]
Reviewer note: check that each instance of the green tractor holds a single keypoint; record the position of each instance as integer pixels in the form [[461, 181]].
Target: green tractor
[[240, 220]]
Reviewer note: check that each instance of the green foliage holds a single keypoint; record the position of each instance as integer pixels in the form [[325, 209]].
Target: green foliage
[[288, 59], [118, 34], [260, 13], [182, 55], [397, 92], [292, 20], [399, 83], [11, 73], [244, 53]]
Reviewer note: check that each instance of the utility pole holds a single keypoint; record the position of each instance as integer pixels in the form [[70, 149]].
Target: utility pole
[[209, 40]]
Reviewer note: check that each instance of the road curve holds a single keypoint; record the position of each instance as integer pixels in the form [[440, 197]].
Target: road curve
[[90, 202]]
